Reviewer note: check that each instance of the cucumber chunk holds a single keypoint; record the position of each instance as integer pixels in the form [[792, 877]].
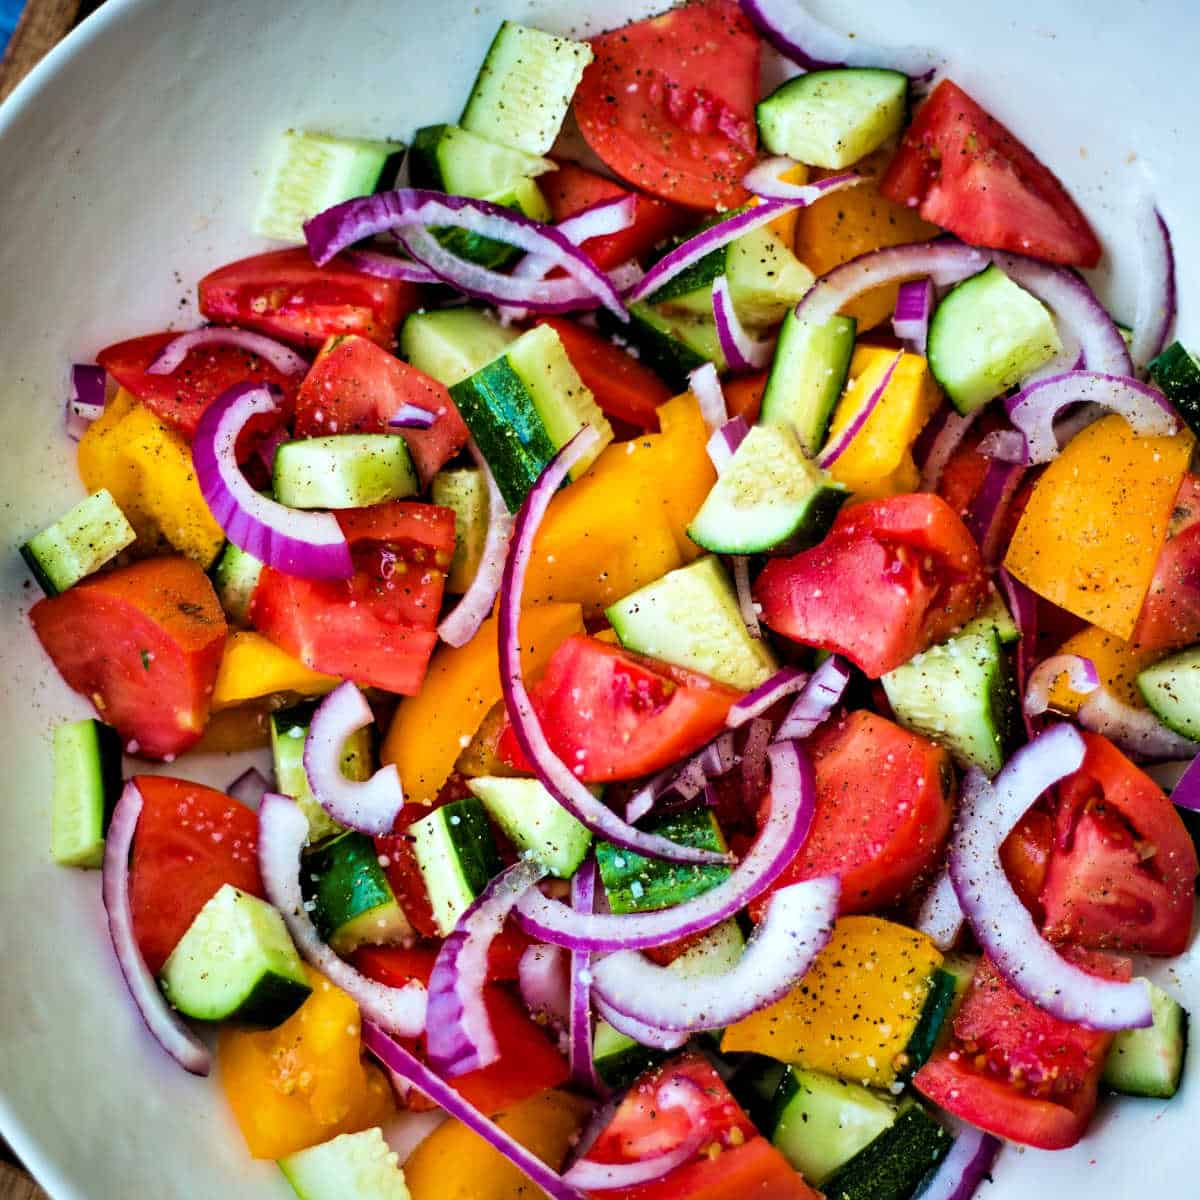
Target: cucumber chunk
[[344, 470], [448, 158], [311, 172], [994, 616], [1177, 371], [768, 497], [833, 118], [1171, 688], [961, 694], [234, 577], [940, 1001], [87, 784], [891, 1166], [524, 88], [355, 1165], [465, 492], [690, 617], [986, 335], [79, 543], [1149, 1062], [807, 376], [671, 345], [236, 960], [457, 856], [452, 343], [534, 822]]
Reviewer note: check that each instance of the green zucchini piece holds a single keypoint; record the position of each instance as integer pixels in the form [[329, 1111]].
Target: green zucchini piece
[[344, 470], [79, 543], [87, 785], [451, 343], [234, 577], [891, 1167], [535, 822], [457, 855], [671, 345], [1177, 371], [354, 1166]]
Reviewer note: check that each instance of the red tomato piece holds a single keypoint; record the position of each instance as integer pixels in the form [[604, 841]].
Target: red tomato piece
[[613, 715], [355, 386], [190, 841], [621, 385], [743, 395], [1122, 871], [377, 628], [668, 103], [284, 293], [143, 644], [572, 188], [1016, 1071], [1170, 616], [884, 808], [965, 171], [892, 577], [1025, 856]]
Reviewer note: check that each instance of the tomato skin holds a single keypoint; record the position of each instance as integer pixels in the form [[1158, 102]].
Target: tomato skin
[[621, 385], [1122, 871], [668, 103], [1016, 1071], [743, 395], [285, 294], [377, 628], [1025, 856], [190, 841], [968, 173], [1170, 616], [143, 643], [892, 577], [884, 809], [612, 714], [355, 386]]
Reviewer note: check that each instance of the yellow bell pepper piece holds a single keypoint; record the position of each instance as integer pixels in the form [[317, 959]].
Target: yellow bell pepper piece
[[148, 469], [1117, 664], [253, 667], [305, 1081], [431, 728], [455, 1163], [1090, 535], [687, 474], [878, 462], [856, 1009], [784, 228]]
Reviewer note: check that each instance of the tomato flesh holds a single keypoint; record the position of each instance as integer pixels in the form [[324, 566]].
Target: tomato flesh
[[892, 578], [285, 294], [143, 643], [965, 171], [614, 715], [1170, 616], [190, 842], [377, 628], [668, 103]]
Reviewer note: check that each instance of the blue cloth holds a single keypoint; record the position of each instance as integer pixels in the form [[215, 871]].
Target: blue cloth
[[10, 10]]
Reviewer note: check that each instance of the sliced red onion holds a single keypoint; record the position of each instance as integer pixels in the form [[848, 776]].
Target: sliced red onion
[[1155, 287], [914, 307], [1022, 606], [598, 220], [282, 832], [753, 704], [764, 180], [390, 266], [798, 35], [723, 444], [686, 780], [742, 351], [1033, 410], [579, 1029], [666, 1040], [410, 1068], [310, 545], [820, 697], [1000, 922], [625, 276], [412, 416], [968, 1164], [792, 801], [249, 788], [953, 429], [544, 979], [1005, 445], [754, 758], [412, 211], [706, 387], [1136, 730], [87, 398], [985, 518], [1080, 671], [370, 806], [168, 1030], [458, 1031], [1186, 790], [797, 925], [840, 443], [941, 917], [555, 775], [746, 603], [601, 1177], [283, 358]]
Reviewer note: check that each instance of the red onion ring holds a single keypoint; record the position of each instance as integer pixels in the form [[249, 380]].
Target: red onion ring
[[666, 1040], [742, 351], [412, 416], [170, 358], [1186, 791], [941, 917], [600, 1177], [914, 307], [555, 775], [168, 1030], [745, 594], [389, 266], [579, 1029], [705, 385], [968, 1164], [1080, 671], [1137, 731], [820, 697], [838, 446], [791, 806], [953, 428], [753, 704], [370, 806], [763, 181], [1156, 292], [544, 980], [310, 545], [723, 444], [458, 1031], [282, 832], [1000, 922], [985, 517], [686, 779], [86, 400], [249, 788]]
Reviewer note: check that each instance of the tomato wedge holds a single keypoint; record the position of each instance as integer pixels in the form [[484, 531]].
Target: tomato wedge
[[143, 644], [377, 628], [1016, 1071], [965, 171], [614, 715], [1170, 616], [892, 577], [355, 386], [284, 293], [668, 103], [190, 841]]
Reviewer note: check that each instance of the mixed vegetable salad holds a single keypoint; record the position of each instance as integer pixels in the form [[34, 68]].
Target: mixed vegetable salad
[[772, 573]]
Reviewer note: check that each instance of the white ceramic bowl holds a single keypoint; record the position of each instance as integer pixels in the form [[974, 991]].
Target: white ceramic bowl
[[131, 162]]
